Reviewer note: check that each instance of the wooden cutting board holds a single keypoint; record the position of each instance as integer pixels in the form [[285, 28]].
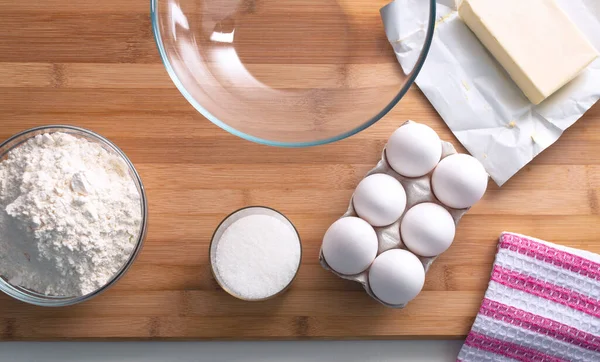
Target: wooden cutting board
[[94, 64]]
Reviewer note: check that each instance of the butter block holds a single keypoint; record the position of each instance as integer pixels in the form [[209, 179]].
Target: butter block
[[534, 40]]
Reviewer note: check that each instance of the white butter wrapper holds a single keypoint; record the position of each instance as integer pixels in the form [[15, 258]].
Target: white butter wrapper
[[418, 190], [475, 96]]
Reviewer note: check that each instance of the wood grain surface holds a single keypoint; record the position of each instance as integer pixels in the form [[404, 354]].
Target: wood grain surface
[[94, 64]]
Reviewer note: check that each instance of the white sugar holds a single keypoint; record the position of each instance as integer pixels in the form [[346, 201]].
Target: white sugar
[[257, 256]]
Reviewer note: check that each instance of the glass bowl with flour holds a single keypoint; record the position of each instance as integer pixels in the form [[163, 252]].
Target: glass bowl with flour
[[73, 215]]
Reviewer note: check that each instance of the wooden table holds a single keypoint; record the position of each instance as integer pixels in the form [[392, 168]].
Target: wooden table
[[94, 64]]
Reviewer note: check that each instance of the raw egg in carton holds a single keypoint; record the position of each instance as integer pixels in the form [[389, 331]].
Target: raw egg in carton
[[403, 215]]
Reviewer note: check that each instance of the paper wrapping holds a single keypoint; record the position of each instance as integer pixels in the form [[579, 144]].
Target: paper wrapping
[[475, 96]]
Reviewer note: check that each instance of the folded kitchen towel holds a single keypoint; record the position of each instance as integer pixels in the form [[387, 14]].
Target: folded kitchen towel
[[542, 304]]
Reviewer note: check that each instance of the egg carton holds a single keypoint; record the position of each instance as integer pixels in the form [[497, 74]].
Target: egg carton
[[418, 190]]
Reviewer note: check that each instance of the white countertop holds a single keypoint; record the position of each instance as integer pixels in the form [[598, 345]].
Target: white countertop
[[314, 351]]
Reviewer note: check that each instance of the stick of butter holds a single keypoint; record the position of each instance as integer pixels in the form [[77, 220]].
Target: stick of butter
[[534, 40]]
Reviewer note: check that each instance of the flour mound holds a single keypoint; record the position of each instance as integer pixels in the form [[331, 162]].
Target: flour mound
[[70, 215]]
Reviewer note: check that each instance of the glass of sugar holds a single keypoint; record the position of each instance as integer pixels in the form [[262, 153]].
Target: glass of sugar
[[255, 253]]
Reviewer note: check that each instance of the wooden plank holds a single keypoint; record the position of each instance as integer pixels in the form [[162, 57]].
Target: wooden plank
[[345, 176], [255, 328], [313, 303], [510, 202], [80, 7], [73, 37], [183, 123], [142, 6], [173, 277], [130, 75]]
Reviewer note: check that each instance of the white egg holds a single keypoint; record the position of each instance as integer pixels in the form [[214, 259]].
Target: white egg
[[380, 199], [396, 276], [413, 150], [427, 229], [459, 181], [350, 245]]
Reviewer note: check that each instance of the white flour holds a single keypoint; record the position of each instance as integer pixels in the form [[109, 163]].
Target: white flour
[[70, 215]]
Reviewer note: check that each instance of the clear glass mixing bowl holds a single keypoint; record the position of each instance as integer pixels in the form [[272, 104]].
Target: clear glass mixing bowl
[[34, 297], [285, 72]]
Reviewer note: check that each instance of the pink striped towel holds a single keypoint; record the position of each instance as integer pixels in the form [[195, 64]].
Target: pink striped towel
[[542, 304]]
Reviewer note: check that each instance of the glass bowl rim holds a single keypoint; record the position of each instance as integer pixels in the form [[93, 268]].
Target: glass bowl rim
[[52, 301], [204, 112], [213, 241]]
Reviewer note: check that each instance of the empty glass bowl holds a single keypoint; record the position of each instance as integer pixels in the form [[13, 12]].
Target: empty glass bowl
[[285, 72]]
